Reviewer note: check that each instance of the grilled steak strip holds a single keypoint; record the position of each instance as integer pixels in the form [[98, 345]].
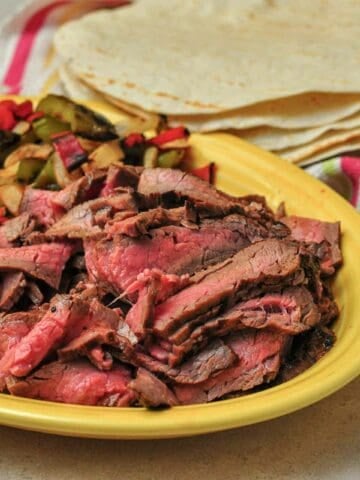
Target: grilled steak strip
[[76, 382], [270, 263], [259, 354], [291, 311], [151, 391], [307, 349], [324, 238], [45, 261], [63, 321], [11, 289], [215, 357], [15, 230], [117, 262], [15, 326], [89, 218]]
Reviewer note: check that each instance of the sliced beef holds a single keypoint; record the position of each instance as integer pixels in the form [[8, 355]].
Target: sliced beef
[[63, 321], [151, 391], [40, 205], [12, 287], [116, 262], [307, 349], [104, 327], [140, 224], [89, 344], [76, 382], [89, 218], [45, 261], [259, 355], [150, 287], [121, 176], [263, 265], [323, 236], [215, 357], [72, 194], [291, 311], [164, 180], [174, 185], [15, 326], [34, 293], [15, 230]]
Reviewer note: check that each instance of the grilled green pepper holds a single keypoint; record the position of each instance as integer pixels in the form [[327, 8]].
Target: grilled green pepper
[[170, 159], [29, 168], [82, 120], [46, 176], [47, 126]]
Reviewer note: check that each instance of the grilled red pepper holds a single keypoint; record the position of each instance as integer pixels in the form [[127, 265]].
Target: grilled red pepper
[[23, 110], [133, 139], [205, 173], [168, 136], [7, 118], [34, 116], [69, 150]]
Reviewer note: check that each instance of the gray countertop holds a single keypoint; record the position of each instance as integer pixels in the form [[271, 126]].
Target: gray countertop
[[319, 442]]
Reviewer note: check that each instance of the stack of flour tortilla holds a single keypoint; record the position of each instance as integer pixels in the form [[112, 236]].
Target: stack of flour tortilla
[[282, 74]]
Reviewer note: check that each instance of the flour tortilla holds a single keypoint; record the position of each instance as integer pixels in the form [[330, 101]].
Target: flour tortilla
[[297, 112], [199, 57], [350, 146], [328, 142], [272, 138], [133, 119]]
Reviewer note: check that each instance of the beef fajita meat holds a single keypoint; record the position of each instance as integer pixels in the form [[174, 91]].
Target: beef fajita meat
[[307, 349], [215, 357], [89, 218], [291, 312], [103, 327], [45, 261], [175, 185], [40, 205], [116, 262], [15, 326], [140, 224], [121, 176], [34, 293], [259, 355], [12, 287], [63, 321], [324, 237], [263, 265], [76, 382], [163, 181], [151, 391], [15, 230], [150, 287]]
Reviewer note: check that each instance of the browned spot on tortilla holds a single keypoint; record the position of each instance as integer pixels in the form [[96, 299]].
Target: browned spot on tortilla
[[110, 81], [129, 85], [201, 105], [89, 75], [100, 50], [167, 95]]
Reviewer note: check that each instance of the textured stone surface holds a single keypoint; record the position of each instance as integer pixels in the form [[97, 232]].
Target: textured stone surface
[[321, 442]]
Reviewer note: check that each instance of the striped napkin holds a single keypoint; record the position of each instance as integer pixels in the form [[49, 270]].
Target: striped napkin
[[28, 66]]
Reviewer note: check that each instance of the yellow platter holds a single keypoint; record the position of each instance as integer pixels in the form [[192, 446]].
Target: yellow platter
[[241, 169]]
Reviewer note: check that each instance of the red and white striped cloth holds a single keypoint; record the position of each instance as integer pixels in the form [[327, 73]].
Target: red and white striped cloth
[[28, 66]]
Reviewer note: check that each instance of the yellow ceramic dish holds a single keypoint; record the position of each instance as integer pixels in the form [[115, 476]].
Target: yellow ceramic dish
[[242, 169]]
